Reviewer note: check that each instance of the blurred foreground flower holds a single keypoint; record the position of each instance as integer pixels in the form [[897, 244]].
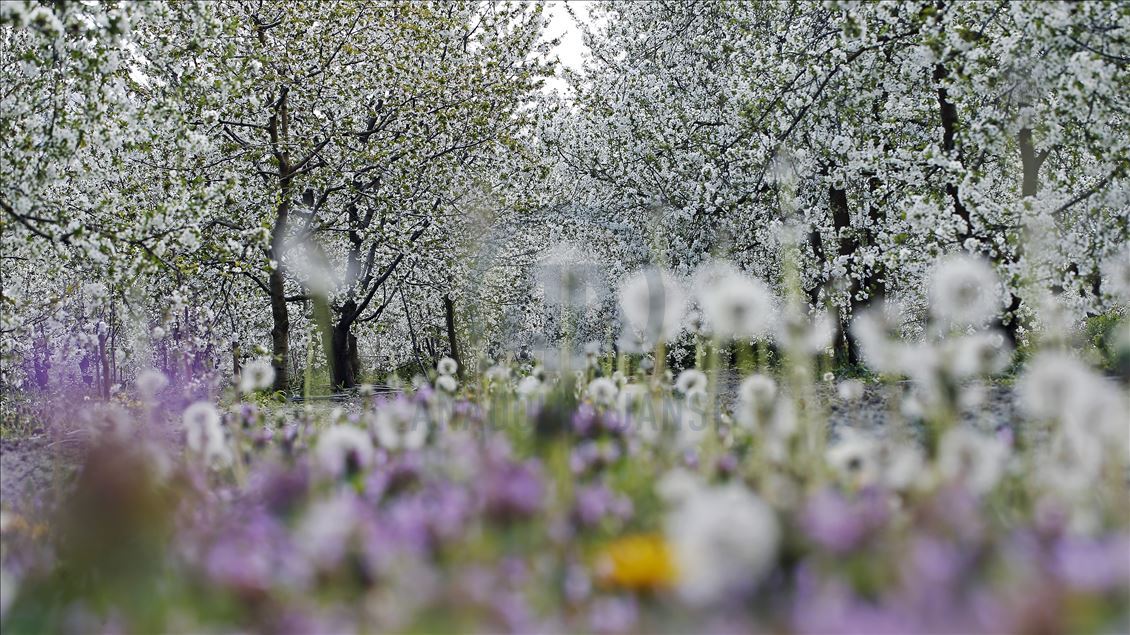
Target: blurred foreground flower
[[204, 435], [735, 305], [963, 291], [725, 541], [256, 375], [653, 304]]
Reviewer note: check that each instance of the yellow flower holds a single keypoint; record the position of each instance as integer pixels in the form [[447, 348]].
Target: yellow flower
[[641, 561]]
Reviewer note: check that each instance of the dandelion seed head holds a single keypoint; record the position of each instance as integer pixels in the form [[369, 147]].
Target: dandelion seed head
[[690, 380], [653, 304], [902, 466], [571, 277], [1048, 383], [344, 449], [963, 291], [1116, 274], [850, 390], [447, 366], [977, 460], [696, 399], [204, 434], [723, 538], [733, 304], [980, 354], [1071, 464], [812, 337], [109, 419], [529, 386], [877, 330], [258, 374], [400, 424], [855, 457], [602, 391], [758, 390], [447, 383], [498, 374], [150, 382]]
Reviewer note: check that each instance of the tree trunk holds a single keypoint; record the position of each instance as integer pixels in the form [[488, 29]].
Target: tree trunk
[[1009, 321], [452, 339], [948, 112], [278, 128], [354, 358], [1030, 161], [847, 352], [104, 366], [412, 334], [113, 341], [342, 355], [41, 361], [280, 331], [84, 366], [341, 366]]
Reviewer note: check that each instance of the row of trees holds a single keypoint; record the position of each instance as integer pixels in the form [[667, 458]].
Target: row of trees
[[188, 182], [255, 157], [878, 135]]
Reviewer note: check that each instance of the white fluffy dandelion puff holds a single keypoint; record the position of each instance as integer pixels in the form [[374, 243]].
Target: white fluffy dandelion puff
[[653, 304], [447, 366], [204, 435], [735, 305], [257, 374], [963, 291]]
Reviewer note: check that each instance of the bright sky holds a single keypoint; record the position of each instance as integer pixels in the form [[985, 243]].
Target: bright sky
[[561, 24]]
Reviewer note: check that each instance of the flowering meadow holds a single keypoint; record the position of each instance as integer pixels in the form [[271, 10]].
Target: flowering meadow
[[791, 317], [616, 496]]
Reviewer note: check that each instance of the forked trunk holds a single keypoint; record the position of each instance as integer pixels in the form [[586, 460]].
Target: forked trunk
[[341, 365]]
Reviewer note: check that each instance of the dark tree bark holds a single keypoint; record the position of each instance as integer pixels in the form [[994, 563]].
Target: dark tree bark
[[104, 366], [1031, 162], [41, 362], [236, 366], [948, 113], [846, 349], [84, 366], [1008, 321], [342, 368], [280, 313], [452, 338], [345, 362], [354, 357], [412, 333]]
